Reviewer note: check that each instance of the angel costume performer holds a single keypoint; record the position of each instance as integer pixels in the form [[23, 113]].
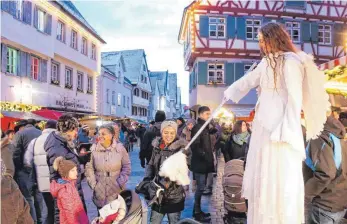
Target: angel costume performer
[[273, 181]]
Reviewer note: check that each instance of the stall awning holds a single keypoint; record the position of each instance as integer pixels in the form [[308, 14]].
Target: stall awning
[[22, 115], [49, 114], [333, 63]]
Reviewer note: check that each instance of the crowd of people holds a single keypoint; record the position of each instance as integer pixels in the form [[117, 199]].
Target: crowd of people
[[42, 170]]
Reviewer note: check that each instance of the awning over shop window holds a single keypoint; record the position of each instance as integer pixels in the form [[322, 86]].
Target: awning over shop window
[[8, 118], [22, 115], [49, 114]]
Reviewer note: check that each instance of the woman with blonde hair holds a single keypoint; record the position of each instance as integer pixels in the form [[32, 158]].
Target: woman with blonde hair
[[288, 81]]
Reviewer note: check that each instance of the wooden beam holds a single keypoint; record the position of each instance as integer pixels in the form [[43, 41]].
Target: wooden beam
[[267, 12]]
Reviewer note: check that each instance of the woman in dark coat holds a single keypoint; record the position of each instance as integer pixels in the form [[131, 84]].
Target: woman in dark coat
[[237, 145], [173, 197], [61, 143]]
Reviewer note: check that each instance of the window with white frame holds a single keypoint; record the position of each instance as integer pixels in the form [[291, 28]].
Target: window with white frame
[[215, 73], [61, 31], [252, 28], [90, 84], [12, 61], [41, 20], [324, 34], [293, 28], [80, 81], [134, 110], [94, 51], [19, 9], [124, 102], [113, 98], [136, 92], [119, 99], [144, 67], [74, 39], [55, 73], [35, 67], [217, 27], [68, 78], [84, 46]]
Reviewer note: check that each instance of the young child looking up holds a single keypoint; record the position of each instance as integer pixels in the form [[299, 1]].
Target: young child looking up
[[64, 189]]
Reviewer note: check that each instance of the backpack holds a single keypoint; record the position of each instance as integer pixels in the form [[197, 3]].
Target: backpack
[[232, 186]]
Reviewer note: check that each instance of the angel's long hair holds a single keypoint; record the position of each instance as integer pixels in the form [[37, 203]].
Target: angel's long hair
[[275, 41]]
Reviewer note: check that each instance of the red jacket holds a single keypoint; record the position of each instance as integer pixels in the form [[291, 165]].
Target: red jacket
[[70, 206]]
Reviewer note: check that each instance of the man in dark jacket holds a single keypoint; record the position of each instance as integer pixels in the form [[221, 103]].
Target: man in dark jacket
[[61, 143], [202, 161], [146, 145], [23, 175], [325, 175]]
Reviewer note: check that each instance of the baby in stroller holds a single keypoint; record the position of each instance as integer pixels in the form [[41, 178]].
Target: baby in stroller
[[129, 208], [234, 204]]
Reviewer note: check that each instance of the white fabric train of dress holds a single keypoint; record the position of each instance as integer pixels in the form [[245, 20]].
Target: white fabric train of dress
[[273, 181]]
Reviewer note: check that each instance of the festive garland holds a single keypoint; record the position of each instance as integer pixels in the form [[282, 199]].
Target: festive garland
[[7, 106], [336, 72]]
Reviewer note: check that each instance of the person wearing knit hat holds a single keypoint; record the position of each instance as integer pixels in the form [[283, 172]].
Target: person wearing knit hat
[[64, 189], [167, 124], [166, 147]]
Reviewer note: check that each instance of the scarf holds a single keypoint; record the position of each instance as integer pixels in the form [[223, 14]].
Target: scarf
[[241, 138]]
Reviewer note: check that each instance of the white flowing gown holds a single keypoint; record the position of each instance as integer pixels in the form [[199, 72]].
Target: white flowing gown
[[273, 180]]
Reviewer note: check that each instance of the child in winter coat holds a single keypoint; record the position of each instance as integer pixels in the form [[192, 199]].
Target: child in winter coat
[[64, 189]]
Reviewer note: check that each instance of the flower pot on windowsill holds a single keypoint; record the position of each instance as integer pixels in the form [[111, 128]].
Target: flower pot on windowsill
[[80, 90], [55, 82], [67, 86], [90, 91]]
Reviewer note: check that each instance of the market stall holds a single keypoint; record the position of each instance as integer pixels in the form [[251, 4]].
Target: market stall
[[336, 85], [9, 118]]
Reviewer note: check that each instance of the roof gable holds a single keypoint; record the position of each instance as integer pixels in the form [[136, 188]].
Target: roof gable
[[161, 78], [71, 9]]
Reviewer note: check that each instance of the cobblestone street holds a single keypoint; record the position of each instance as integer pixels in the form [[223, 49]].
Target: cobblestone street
[[212, 204]]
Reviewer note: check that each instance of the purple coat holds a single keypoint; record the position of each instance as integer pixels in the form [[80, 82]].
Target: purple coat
[[108, 172]]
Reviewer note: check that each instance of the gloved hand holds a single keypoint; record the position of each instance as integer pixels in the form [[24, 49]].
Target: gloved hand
[[143, 163]]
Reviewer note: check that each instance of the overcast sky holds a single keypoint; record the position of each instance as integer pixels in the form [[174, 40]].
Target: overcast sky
[[152, 25]]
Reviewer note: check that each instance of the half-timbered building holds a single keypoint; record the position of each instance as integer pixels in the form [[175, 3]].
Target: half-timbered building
[[220, 40]]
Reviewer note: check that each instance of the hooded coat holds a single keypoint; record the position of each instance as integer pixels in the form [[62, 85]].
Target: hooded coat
[[325, 184], [70, 206], [174, 194], [146, 145], [108, 172]]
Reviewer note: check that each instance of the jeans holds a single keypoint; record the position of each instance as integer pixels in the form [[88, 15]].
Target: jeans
[[209, 182], [319, 216], [50, 207], [200, 187], [33, 196], [157, 218]]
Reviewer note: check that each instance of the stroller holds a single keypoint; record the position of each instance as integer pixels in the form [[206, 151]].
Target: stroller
[[137, 209], [234, 204]]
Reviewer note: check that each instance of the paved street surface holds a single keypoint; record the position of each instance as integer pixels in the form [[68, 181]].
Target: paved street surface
[[212, 204]]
